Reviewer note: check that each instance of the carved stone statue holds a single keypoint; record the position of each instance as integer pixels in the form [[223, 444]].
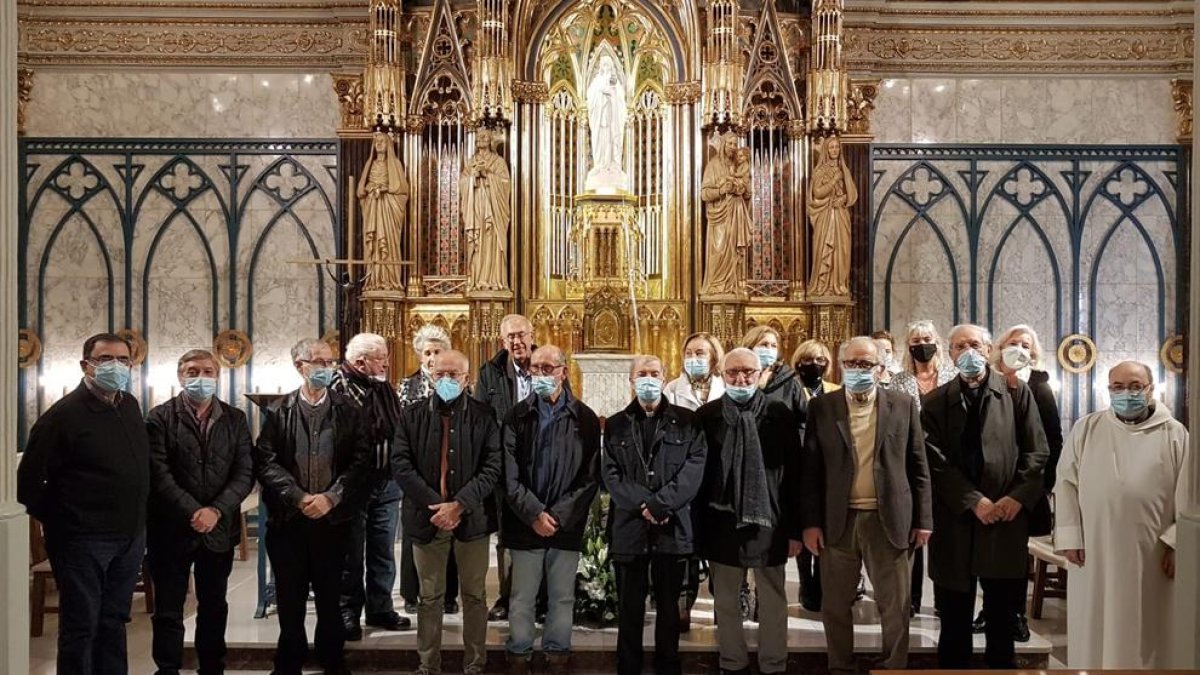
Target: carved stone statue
[[606, 118], [725, 190], [831, 195], [484, 188], [383, 196]]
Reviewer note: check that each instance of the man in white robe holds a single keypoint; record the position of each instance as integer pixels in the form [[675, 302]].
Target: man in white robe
[[1121, 485]]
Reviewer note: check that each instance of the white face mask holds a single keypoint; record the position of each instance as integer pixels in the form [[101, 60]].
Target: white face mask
[[1016, 357]]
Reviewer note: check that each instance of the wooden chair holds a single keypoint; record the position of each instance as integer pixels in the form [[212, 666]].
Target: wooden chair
[[1046, 584]]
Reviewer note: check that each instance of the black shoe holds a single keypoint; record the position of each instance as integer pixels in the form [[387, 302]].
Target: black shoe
[[451, 607], [499, 612], [1022, 632], [861, 592], [353, 631], [912, 611], [540, 616], [338, 670], [979, 626], [410, 607], [389, 621]]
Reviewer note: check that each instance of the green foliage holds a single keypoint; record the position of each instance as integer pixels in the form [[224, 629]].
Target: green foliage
[[596, 581]]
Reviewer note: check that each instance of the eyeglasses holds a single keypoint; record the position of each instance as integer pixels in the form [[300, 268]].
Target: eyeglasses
[[518, 337], [864, 365], [320, 363], [101, 360], [544, 370], [1122, 388], [742, 374]]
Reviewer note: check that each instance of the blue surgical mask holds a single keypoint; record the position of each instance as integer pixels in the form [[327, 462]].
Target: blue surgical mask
[[740, 394], [448, 389], [1128, 404], [649, 389], [319, 378], [200, 389], [971, 363], [766, 355], [858, 380], [112, 376], [544, 385], [696, 367]]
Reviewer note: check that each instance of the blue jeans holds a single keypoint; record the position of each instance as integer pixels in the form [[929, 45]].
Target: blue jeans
[[527, 567], [372, 541], [95, 577]]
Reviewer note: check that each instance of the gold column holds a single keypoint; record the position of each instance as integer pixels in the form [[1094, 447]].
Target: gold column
[[383, 78], [723, 66], [525, 159], [828, 84], [413, 159], [800, 150], [492, 86]]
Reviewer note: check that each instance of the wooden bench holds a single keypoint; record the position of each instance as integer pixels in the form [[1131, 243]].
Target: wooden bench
[[1046, 584]]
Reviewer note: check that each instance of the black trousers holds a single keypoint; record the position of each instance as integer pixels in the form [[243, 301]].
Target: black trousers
[[810, 581], [171, 564], [410, 583], [308, 554], [918, 577], [665, 573], [999, 610]]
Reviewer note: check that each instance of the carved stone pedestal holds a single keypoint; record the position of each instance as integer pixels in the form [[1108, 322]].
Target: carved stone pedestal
[[832, 321], [724, 317], [383, 313], [605, 379]]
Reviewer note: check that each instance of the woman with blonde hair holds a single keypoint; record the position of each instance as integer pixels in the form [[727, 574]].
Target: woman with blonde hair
[[811, 361], [1017, 356], [778, 381], [700, 381]]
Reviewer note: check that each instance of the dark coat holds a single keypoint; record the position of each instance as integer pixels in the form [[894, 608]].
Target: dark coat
[[86, 467], [497, 385], [1041, 522], [474, 459], [666, 486], [275, 458], [574, 477], [901, 472], [189, 472], [719, 539], [1014, 453], [785, 387]]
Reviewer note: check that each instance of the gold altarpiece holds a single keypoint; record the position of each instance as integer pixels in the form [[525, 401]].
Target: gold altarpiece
[[611, 269]]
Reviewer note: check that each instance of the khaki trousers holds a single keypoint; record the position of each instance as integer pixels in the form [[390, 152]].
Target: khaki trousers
[[772, 617], [430, 560], [864, 541]]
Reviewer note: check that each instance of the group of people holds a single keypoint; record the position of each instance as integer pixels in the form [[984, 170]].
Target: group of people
[[745, 461]]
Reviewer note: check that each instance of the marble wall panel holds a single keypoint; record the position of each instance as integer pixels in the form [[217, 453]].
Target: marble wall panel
[[182, 105]]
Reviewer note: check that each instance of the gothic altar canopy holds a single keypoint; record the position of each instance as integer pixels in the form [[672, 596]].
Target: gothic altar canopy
[[623, 172]]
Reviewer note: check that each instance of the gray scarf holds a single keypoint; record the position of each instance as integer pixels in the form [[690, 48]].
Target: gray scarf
[[741, 485]]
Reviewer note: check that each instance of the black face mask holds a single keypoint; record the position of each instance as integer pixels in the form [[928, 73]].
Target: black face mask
[[810, 374], [923, 353]]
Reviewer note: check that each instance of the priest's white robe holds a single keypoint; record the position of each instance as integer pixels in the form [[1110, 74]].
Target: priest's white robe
[[1120, 488]]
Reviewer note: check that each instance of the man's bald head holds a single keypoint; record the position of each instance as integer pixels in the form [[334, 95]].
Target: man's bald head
[[452, 359], [642, 363], [1131, 372]]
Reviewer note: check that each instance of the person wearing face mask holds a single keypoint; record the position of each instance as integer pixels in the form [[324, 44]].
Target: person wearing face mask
[[987, 450], [551, 474], [865, 498], [1122, 487], [428, 343], [448, 460], [314, 459], [1018, 358], [652, 464], [777, 379], [746, 523], [201, 469], [85, 475], [370, 570], [924, 367]]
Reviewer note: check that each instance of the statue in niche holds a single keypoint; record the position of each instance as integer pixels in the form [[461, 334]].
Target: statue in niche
[[606, 118], [725, 190], [831, 194], [383, 196], [484, 188]]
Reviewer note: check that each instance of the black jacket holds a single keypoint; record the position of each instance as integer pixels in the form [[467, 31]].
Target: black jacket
[[189, 472], [574, 479], [719, 538], [275, 458], [785, 387], [1014, 452], [1041, 521], [666, 485], [496, 385], [475, 460], [86, 467]]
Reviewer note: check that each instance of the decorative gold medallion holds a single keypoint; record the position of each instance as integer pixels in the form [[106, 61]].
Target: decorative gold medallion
[[232, 348], [1077, 353], [29, 348], [333, 338], [1173, 354], [137, 344]]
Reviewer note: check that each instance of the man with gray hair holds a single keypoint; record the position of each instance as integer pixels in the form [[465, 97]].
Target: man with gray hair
[[313, 458], [986, 448], [200, 471], [865, 498], [363, 377]]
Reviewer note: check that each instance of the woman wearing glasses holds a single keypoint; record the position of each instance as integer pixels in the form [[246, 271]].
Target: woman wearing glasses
[[1019, 358]]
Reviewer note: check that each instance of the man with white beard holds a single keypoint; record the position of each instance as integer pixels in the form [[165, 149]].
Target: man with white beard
[[1121, 484]]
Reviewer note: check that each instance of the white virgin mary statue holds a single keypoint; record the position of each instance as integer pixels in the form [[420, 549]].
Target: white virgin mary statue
[[606, 117]]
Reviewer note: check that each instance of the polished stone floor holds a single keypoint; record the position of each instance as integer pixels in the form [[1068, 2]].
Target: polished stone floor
[[804, 629]]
